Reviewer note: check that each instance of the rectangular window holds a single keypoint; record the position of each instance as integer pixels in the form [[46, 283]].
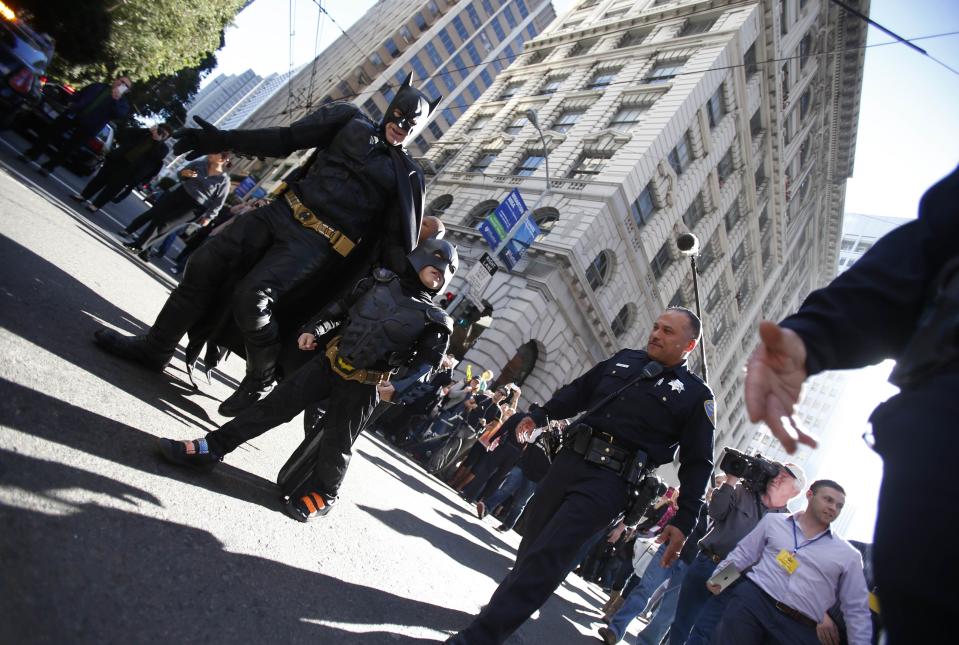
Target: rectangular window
[[715, 108], [567, 119], [627, 117], [804, 102], [615, 13], [433, 55], [551, 85], [460, 28], [664, 71], [432, 8], [755, 124], [372, 110], [485, 42], [582, 47], [498, 29], [510, 91], [473, 54], [376, 59], [388, 93], [601, 79], [459, 66], [447, 42], [448, 80], [805, 49], [488, 7], [431, 90], [693, 27], [406, 34], [420, 22], [435, 130], [528, 165], [679, 157], [482, 162], [479, 123], [531, 30], [587, 168], [419, 69], [474, 91], [632, 37], [661, 261], [523, 11], [510, 54], [713, 298], [749, 61], [695, 213], [732, 217], [643, 208], [392, 48], [739, 256], [516, 125], [510, 18], [474, 17], [486, 78], [725, 167]]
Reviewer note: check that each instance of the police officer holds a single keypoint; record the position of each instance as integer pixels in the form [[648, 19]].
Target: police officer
[[635, 401], [900, 300]]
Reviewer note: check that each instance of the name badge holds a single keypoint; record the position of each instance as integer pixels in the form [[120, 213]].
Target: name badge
[[787, 561]]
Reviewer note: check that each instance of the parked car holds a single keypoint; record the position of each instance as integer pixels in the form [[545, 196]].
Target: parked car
[[24, 57], [55, 99]]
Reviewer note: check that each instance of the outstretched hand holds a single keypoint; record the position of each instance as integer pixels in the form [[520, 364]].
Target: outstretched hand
[[524, 428], [199, 141], [774, 376]]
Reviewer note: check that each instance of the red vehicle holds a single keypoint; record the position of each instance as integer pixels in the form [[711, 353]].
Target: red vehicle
[[24, 56]]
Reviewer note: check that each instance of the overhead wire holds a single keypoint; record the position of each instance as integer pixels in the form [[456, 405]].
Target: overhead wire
[[316, 53], [679, 73]]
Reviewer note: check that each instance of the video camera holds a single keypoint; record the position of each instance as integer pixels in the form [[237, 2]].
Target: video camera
[[642, 496], [755, 471]]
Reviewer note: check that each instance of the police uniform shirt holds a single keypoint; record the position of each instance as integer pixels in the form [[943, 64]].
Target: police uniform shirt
[[674, 409]]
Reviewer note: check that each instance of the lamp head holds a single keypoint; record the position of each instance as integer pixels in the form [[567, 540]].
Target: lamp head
[[532, 117], [688, 244]]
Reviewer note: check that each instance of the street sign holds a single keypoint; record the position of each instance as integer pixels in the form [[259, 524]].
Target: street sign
[[489, 234], [516, 248], [478, 278], [245, 186], [510, 210]]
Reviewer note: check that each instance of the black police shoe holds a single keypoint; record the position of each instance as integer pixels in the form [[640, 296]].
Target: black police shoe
[[136, 349], [198, 456], [308, 507], [251, 390]]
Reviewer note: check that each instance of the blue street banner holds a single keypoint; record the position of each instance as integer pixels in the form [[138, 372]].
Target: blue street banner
[[245, 186], [510, 210], [489, 234], [258, 193], [522, 240]]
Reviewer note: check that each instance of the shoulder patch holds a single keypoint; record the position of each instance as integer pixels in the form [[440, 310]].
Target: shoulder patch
[[710, 406]]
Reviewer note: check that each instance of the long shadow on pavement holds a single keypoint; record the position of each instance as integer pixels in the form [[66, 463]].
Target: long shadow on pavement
[[40, 415], [83, 573], [53, 310], [405, 478]]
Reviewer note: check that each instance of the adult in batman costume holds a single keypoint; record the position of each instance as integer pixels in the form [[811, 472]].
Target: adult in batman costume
[[360, 193], [387, 322]]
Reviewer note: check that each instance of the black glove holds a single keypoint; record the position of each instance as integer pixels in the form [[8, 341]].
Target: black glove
[[200, 141]]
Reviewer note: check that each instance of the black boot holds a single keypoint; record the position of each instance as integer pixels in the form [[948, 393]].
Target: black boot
[[260, 372], [308, 507], [136, 349], [198, 457]]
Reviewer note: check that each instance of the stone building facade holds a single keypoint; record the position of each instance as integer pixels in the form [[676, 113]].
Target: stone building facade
[[454, 50], [735, 121]]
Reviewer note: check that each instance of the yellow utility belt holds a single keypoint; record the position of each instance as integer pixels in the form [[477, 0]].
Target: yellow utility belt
[[346, 371], [340, 243]]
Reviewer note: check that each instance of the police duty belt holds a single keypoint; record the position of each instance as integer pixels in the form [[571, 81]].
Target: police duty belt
[[340, 243], [346, 371]]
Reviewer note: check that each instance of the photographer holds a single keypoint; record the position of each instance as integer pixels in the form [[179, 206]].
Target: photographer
[[735, 509]]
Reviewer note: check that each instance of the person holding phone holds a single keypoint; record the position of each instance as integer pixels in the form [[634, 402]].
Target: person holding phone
[[798, 568]]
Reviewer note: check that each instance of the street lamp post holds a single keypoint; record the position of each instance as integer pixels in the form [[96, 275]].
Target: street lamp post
[[534, 119], [689, 245]]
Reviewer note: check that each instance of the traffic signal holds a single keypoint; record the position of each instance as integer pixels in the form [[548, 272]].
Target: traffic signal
[[469, 315], [447, 299]]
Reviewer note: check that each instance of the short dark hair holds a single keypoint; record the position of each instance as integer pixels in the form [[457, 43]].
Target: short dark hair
[[165, 127], [695, 325], [825, 483]]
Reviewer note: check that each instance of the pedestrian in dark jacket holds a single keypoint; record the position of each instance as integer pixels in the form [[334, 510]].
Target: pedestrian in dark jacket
[[91, 109], [202, 193], [136, 160]]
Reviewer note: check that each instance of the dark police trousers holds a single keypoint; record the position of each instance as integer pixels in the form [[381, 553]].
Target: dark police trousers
[[273, 253], [574, 501], [349, 404]]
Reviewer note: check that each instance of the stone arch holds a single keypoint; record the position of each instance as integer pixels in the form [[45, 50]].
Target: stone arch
[[438, 206], [479, 212]]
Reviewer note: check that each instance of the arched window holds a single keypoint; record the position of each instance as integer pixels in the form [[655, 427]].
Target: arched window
[[545, 219], [621, 322], [598, 271], [439, 205], [480, 212], [520, 366]]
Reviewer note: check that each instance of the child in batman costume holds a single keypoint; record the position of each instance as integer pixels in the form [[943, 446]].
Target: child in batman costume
[[390, 322], [359, 187]]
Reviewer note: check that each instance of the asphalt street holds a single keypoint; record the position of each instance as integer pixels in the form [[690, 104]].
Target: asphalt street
[[101, 542]]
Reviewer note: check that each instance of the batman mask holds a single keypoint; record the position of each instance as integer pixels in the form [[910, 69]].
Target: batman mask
[[435, 253], [409, 110]]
